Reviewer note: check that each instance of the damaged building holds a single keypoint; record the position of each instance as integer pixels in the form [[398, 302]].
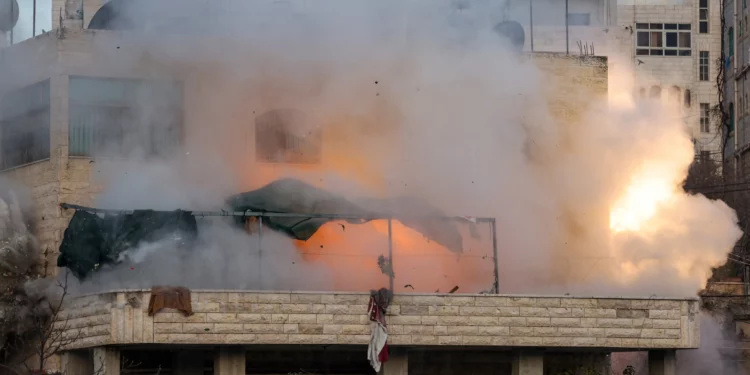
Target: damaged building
[[70, 106]]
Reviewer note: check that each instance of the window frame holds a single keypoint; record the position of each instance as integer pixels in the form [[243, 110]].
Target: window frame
[[277, 143], [652, 39], [705, 117], [100, 143], [704, 65], [703, 17], [25, 117]]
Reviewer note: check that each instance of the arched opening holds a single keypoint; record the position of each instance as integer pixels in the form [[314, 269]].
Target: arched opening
[[675, 94], [688, 98], [654, 92], [287, 136]]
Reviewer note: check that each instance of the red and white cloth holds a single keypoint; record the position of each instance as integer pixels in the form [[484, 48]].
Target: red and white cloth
[[377, 350]]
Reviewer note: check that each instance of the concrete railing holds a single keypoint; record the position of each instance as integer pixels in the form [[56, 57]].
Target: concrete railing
[[249, 317]]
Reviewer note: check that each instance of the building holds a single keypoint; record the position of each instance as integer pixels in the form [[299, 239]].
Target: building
[[60, 107], [735, 88], [671, 48]]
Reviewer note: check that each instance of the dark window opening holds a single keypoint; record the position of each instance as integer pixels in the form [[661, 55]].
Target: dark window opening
[[25, 125], [658, 39], [287, 136]]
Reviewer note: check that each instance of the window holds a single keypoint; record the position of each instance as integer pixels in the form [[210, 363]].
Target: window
[[731, 41], [579, 19], [731, 118], [705, 118], [703, 65], [688, 98], [654, 92], [643, 92], [25, 125], [287, 136], [703, 17], [663, 39], [120, 117]]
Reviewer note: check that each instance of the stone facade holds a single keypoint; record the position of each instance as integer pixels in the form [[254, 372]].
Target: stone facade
[[667, 72], [232, 317]]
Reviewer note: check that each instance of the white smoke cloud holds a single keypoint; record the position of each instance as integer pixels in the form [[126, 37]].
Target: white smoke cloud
[[421, 98]]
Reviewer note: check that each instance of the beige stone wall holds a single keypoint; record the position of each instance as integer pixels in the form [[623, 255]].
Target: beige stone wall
[[572, 83], [668, 71], [231, 317]]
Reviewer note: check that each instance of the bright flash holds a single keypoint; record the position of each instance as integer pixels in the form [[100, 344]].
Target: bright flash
[[648, 189]]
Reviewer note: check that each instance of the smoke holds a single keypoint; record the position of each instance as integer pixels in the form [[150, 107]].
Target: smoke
[[719, 353], [418, 99]]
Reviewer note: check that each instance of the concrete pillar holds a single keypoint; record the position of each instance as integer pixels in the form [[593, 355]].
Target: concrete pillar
[[229, 361], [77, 362], [662, 362], [398, 364], [106, 361], [528, 363], [188, 363]]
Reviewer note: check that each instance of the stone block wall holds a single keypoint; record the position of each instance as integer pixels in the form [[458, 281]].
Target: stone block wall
[[572, 83], [239, 317]]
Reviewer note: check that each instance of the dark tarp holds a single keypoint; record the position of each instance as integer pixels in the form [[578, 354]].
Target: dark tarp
[[294, 196], [91, 241]]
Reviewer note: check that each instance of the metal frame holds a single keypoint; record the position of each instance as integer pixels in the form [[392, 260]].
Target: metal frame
[[260, 215]]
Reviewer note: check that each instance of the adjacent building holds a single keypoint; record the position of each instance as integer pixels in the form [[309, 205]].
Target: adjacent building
[[671, 51], [736, 88]]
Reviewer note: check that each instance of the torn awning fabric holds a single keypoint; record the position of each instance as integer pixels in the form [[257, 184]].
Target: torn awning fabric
[[294, 196], [91, 241]]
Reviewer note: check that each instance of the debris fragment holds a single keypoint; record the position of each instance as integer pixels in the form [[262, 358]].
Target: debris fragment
[[385, 266], [408, 286], [455, 288]]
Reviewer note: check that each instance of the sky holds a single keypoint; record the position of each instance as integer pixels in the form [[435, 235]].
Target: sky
[[23, 29]]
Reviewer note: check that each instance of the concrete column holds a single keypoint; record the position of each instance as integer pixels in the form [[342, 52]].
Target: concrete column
[[229, 361], [662, 362], [106, 361], [528, 363], [77, 362], [398, 364], [188, 363]]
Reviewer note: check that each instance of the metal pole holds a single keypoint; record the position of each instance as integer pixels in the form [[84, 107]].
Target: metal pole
[[567, 38], [33, 20], [12, 9], [260, 252], [531, 24], [390, 254], [493, 229]]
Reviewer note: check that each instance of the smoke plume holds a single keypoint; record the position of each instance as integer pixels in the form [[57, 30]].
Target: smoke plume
[[418, 98]]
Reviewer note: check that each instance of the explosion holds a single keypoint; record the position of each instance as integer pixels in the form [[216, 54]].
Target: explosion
[[650, 188]]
